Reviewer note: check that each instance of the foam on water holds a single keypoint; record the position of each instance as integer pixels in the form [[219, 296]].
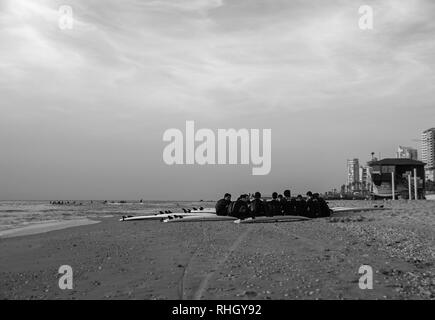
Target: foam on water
[[18, 214]]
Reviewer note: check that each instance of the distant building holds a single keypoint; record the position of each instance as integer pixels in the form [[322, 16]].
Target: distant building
[[364, 178], [428, 152], [406, 153], [381, 177], [353, 175]]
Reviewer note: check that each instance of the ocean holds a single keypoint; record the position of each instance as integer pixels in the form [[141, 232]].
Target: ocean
[[19, 214]]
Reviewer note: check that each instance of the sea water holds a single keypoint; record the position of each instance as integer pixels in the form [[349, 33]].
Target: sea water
[[18, 214]]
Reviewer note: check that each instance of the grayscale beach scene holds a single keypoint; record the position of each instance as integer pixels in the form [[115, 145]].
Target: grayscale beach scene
[[218, 150]]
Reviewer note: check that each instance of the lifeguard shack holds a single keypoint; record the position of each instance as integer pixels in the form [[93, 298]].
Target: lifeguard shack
[[398, 177]]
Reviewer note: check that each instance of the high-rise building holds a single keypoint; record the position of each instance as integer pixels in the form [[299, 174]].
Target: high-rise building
[[428, 152], [406, 153], [364, 178], [353, 174]]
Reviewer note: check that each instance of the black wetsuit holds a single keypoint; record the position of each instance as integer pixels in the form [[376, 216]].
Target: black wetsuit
[[240, 210], [288, 206], [313, 208], [258, 208], [300, 207], [274, 208], [324, 208], [222, 207]]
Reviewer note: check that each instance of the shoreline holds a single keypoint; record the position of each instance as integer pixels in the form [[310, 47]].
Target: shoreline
[[44, 227]]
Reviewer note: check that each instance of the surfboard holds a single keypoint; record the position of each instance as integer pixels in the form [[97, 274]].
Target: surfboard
[[201, 210], [163, 216], [272, 219], [200, 218], [358, 209]]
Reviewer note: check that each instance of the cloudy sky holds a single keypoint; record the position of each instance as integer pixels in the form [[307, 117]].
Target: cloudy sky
[[83, 111]]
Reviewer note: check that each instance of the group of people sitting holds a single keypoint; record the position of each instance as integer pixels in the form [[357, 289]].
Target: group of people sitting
[[313, 206]]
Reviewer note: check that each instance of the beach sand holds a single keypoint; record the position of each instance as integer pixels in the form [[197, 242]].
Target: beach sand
[[316, 259]]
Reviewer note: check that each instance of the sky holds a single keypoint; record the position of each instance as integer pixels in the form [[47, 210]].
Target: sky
[[83, 110]]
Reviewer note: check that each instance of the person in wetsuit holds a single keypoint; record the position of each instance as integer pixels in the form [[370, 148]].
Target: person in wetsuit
[[324, 210], [300, 206], [257, 206], [274, 206], [313, 206], [239, 208], [222, 205], [288, 204]]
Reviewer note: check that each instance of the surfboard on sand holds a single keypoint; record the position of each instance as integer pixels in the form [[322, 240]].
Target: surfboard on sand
[[200, 210], [200, 218], [164, 216], [357, 209], [272, 219], [169, 214]]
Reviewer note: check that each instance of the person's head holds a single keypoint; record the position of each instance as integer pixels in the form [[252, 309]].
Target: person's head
[[257, 195], [274, 195], [227, 197], [287, 193], [244, 197], [299, 197], [309, 194], [280, 197], [316, 195]]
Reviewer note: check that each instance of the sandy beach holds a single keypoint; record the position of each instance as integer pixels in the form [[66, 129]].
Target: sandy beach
[[316, 259]]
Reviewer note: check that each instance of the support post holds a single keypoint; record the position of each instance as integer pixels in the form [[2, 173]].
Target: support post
[[415, 184], [393, 191], [409, 187]]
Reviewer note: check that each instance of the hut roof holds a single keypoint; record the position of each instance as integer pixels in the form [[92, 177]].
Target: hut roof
[[397, 162]]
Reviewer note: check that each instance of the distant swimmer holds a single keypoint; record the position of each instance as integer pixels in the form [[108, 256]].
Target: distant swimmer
[[288, 204], [274, 206], [222, 205], [239, 208], [257, 206], [300, 206]]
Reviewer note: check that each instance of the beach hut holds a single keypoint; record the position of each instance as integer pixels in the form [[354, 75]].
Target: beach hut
[[398, 176]]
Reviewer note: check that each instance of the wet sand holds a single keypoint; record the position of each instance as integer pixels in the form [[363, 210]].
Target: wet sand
[[44, 227], [316, 259]]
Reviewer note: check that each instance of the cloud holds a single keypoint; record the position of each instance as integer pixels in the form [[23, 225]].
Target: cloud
[[160, 62], [222, 56]]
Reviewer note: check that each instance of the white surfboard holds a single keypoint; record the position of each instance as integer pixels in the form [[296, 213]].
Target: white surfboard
[[203, 210], [272, 219], [358, 209], [163, 216], [200, 218]]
